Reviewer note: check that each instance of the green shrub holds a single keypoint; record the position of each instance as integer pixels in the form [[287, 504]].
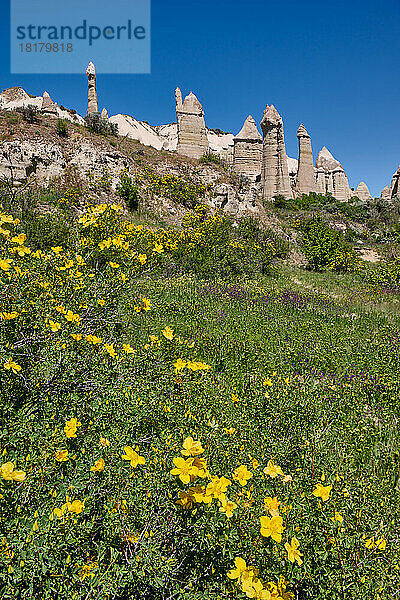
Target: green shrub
[[128, 190], [61, 128], [100, 126], [181, 191], [211, 158], [326, 248], [29, 113]]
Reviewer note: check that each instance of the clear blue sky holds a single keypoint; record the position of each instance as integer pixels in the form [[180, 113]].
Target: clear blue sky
[[332, 65]]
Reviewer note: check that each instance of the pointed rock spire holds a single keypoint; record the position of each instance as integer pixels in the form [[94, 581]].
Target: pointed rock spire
[[249, 130], [362, 191], [395, 185], [306, 181], [247, 146], [192, 133], [274, 171], [92, 93], [48, 106], [336, 181], [385, 193]]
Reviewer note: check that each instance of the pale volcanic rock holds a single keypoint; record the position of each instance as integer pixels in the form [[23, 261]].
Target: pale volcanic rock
[[395, 185], [326, 160], [306, 181], [336, 181], [137, 130], [362, 191], [92, 93], [247, 150], [104, 114], [385, 193], [192, 133], [274, 171], [48, 106]]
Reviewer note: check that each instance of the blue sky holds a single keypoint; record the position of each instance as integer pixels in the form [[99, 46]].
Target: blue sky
[[333, 66]]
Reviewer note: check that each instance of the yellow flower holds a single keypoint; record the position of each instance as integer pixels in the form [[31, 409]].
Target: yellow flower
[[54, 326], [113, 265], [61, 455], [168, 333], [229, 431], [227, 507], [142, 258], [71, 427], [134, 458], [146, 304], [272, 506], [9, 474], [337, 517], [104, 442], [185, 499], [128, 349], [101, 302], [217, 488], [110, 349], [158, 248], [9, 316], [235, 398], [57, 249], [98, 466], [19, 239], [191, 448], [293, 551], [268, 382], [241, 571], [75, 507], [242, 475], [272, 527], [5, 265], [322, 491], [273, 470], [12, 365], [371, 544], [179, 365], [255, 463], [76, 336], [184, 468]]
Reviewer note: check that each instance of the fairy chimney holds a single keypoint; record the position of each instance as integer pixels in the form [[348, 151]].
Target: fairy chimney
[[336, 181], [48, 106], [306, 181], [274, 169], [385, 193], [247, 150], [362, 191], [395, 185], [192, 133], [92, 94]]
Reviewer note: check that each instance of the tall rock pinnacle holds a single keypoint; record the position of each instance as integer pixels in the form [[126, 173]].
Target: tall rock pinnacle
[[306, 181], [192, 133], [92, 94], [274, 171], [247, 150]]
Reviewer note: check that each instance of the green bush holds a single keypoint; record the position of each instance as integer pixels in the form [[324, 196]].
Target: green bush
[[29, 113], [61, 128], [100, 126], [128, 190], [211, 158], [326, 248]]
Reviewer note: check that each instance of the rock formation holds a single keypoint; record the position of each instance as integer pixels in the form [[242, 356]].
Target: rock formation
[[385, 193], [274, 170], [104, 114], [335, 177], [306, 180], [92, 94], [48, 106], [247, 150], [362, 192], [192, 133], [395, 185]]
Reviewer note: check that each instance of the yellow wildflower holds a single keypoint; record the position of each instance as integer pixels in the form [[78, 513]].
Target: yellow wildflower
[[272, 527], [134, 458], [242, 475], [10, 364], [273, 470], [9, 474], [322, 491], [71, 427], [293, 551], [184, 469], [98, 466], [191, 448], [61, 455]]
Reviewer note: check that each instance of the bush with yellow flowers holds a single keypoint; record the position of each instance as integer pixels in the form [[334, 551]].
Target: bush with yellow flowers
[[149, 451]]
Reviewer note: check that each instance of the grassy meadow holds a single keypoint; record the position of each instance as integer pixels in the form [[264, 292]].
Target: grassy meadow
[[170, 435]]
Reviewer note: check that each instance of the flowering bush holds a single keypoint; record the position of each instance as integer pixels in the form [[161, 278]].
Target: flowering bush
[[149, 450]]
